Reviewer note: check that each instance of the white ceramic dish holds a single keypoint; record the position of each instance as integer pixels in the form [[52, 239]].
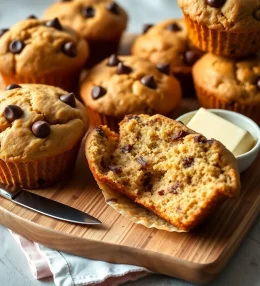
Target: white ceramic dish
[[246, 159]]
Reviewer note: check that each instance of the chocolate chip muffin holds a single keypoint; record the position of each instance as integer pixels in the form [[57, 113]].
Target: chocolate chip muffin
[[161, 164], [223, 27], [128, 85], [39, 51], [168, 43], [100, 22], [229, 84], [41, 128]]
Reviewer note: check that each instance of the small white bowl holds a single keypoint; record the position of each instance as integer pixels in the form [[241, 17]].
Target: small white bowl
[[246, 159]]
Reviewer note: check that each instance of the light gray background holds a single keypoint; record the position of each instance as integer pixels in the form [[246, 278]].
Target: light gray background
[[244, 268]]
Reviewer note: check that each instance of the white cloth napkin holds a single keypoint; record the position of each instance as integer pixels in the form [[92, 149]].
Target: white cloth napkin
[[70, 270]]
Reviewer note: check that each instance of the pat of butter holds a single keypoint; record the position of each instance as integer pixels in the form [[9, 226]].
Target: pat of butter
[[236, 139]]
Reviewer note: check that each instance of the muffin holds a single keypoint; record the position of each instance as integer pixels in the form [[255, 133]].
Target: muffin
[[41, 130], [37, 51], [167, 42], [229, 84], [223, 27], [168, 168], [128, 85], [100, 22]]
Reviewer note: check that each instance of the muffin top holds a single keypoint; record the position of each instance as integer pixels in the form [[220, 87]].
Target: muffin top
[[37, 47], [93, 19], [167, 42], [234, 80], [128, 84], [228, 15], [38, 121]]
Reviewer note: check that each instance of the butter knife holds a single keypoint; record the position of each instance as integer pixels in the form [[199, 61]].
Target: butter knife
[[46, 206]]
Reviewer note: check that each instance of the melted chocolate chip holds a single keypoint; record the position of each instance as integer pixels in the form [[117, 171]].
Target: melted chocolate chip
[[98, 91], [149, 81], [113, 61], [161, 193], [69, 99], [12, 86], [2, 31], [200, 139], [54, 23], [258, 83], [141, 161], [100, 131], [88, 12], [41, 129], [16, 46], [113, 8], [164, 68], [12, 112], [115, 169], [127, 148], [215, 3], [174, 27], [146, 27], [70, 49], [122, 69], [188, 162], [190, 57], [181, 134], [175, 187], [256, 14], [31, 17]]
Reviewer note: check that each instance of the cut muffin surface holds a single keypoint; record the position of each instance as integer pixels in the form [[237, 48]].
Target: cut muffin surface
[[165, 166]]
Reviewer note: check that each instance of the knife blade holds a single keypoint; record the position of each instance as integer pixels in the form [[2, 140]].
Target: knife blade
[[46, 206]]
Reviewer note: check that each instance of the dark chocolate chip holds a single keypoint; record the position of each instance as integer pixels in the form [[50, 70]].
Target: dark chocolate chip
[[215, 3], [100, 131], [164, 68], [161, 193], [127, 148], [122, 69], [70, 49], [69, 99], [54, 23], [12, 112], [146, 27], [113, 61], [149, 81], [181, 134], [12, 86], [113, 7], [2, 31], [41, 129], [174, 27], [16, 46], [174, 188], [188, 162], [115, 169], [258, 83], [190, 57], [200, 139], [31, 17], [141, 161], [98, 91], [256, 14], [88, 12]]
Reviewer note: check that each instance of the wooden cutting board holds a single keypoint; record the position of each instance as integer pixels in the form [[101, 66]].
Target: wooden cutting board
[[198, 256]]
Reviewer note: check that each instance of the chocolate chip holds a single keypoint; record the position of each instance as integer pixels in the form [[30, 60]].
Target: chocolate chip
[[12, 86], [88, 12], [98, 91], [2, 31], [149, 81], [256, 14], [164, 68], [127, 148], [258, 83], [190, 57], [31, 17], [115, 169], [211, 141], [181, 134], [175, 187], [12, 112], [215, 3], [122, 69], [200, 139], [174, 27], [16, 46], [113, 61], [146, 27], [69, 99], [41, 129], [54, 23], [69, 49], [100, 131], [113, 7], [161, 193], [188, 162], [141, 161]]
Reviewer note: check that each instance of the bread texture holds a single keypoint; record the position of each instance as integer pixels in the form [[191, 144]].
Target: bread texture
[[165, 166]]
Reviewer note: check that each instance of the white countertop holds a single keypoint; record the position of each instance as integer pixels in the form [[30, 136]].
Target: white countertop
[[244, 267]]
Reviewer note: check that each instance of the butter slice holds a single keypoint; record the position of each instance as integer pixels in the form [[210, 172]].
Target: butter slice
[[236, 139]]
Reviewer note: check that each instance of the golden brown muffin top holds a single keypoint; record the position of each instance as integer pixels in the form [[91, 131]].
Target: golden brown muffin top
[[228, 15], [234, 80], [167, 42], [93, 19], [128, 84], [38, 121], [37, 47]]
